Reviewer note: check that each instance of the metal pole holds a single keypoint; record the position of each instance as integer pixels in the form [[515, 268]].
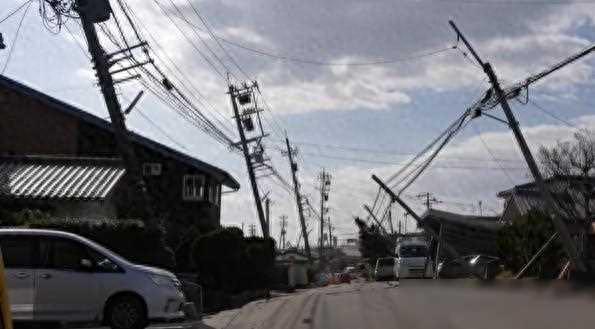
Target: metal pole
[[298, 200], [537, 254], [546, 194], [251, 175]]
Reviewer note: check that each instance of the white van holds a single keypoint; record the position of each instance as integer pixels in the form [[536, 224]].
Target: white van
[[412, 261], [59, 276]]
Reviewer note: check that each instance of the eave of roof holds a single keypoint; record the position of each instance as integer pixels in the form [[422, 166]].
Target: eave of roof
[[167, 151], [487, 222]]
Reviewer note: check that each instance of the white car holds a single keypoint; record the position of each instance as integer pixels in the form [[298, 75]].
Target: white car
[[59, 276], [412, 260]]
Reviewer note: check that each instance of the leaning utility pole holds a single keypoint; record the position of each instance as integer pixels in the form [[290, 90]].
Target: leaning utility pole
[[298, 198], [559, 224], [325, 183], [245, 95], [89, 16]]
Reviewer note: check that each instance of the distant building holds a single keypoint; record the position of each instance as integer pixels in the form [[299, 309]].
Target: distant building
[[521, 199], [62, 159]]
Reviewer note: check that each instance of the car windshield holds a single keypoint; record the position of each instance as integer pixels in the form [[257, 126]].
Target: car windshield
[[413, 251]]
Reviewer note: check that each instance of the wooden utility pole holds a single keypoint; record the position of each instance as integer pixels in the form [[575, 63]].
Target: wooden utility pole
[[325, 182], [267, 209], [546, 194], [102, 65], [298, 198], [283, 232], [330, 233], [246, 92]]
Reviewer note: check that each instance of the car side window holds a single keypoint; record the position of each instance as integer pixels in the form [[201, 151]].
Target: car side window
[[102, 263], [62, 254], [18, 251]]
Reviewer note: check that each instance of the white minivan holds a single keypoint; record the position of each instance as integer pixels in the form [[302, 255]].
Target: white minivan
[[412, 261], [63, 277]]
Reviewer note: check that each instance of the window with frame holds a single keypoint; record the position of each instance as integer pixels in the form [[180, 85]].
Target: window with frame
[[18, 251], [193, 188], [62, 254]]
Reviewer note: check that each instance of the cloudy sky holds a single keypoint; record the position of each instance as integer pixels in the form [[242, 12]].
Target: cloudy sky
[[353, 120]]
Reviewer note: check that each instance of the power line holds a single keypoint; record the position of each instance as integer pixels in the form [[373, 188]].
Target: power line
[[402, 163], [288, 58], [184, 81], [13, 45], [194, 46], [16, 10], [485, 145], [394, 153], [552, 115]]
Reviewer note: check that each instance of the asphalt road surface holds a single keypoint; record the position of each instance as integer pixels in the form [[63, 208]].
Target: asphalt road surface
[[416, 304]]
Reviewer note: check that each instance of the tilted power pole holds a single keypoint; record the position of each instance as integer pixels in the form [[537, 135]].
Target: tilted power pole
[[546, 194], [245, 95], [298, 198], [90, 15]]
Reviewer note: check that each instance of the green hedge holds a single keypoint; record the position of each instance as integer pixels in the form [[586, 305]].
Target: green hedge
[[226, 261], [130, 238]]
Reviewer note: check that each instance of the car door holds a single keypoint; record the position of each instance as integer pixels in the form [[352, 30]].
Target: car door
[[65, 289], [18, 252]]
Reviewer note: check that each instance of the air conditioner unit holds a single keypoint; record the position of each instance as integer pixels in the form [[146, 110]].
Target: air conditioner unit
[[151, 169]]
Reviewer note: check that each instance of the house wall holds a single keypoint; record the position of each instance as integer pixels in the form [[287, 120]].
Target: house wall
[[27, 127], [30, 127]]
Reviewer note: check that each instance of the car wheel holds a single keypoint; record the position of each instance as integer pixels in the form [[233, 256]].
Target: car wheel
[[126, 312]]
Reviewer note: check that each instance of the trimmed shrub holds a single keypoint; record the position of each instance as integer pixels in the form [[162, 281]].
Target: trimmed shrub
[[130, 238], [226, 261]]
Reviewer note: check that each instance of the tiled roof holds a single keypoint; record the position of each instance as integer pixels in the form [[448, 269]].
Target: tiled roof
[[58, 178]]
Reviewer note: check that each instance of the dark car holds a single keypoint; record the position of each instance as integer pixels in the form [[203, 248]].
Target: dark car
[[471, 266]]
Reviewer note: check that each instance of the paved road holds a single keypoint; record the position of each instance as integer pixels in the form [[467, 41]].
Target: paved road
[[414, 304]]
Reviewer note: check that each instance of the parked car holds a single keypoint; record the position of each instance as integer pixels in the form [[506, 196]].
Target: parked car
[[477, 266], [54, 276], [384, 269], [412, 260]]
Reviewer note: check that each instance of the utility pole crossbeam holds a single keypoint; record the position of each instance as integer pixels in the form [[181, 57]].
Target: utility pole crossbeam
[[298, 199], [246, 94], [106, 82], [415, 216], [546, 194]]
